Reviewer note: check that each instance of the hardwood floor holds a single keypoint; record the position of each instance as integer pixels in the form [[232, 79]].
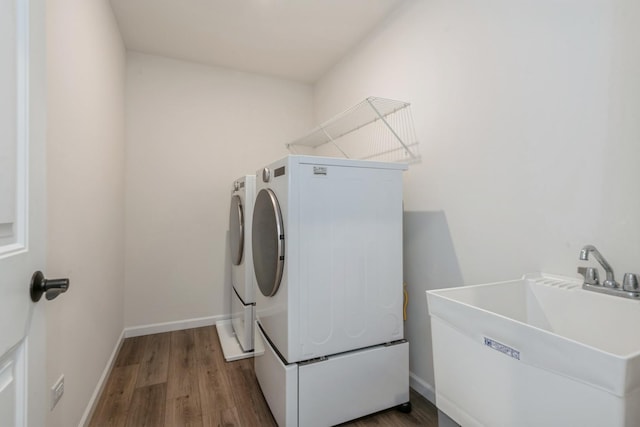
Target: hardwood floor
[[181, 379]]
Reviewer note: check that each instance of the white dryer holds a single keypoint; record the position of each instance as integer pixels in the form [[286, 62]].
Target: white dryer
[[242, 276], [327, 253]]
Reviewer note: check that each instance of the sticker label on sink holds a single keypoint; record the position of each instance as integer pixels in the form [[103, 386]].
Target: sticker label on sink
[[505, 349]]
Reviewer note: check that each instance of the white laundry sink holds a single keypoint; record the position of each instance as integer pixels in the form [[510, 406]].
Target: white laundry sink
[[537, 351]]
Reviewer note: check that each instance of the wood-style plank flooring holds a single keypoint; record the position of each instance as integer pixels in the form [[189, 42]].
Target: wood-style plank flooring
[[181, 379]]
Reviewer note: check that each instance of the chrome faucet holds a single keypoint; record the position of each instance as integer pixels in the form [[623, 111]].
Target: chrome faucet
[[630, 285], [610, 281]]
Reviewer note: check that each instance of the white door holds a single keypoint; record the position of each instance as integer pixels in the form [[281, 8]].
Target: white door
[[22, 202]]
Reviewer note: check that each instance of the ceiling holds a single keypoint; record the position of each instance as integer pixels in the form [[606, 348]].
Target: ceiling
[[292, 39]]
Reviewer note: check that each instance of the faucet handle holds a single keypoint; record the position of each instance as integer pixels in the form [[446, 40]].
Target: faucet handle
[[630, 282], [591, 275]]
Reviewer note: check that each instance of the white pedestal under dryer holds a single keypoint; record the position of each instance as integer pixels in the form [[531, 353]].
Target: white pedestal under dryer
[[327, 253], [242, 276]]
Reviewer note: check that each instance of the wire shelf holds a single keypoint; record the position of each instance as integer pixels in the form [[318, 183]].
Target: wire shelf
[[375, 129]]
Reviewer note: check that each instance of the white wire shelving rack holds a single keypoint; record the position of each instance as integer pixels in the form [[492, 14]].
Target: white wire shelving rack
[[375, 129]]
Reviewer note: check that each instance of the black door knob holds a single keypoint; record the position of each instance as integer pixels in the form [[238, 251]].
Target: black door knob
[[50, 287]]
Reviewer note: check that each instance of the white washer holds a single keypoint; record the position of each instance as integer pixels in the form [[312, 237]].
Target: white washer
[[327, 253], [242, 276]]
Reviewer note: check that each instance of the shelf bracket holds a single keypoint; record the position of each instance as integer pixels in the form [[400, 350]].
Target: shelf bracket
[[334, 143], [413, 156]]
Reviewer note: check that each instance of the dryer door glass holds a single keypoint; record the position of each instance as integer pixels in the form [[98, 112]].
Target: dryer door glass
[[236, 230], [267, 242]]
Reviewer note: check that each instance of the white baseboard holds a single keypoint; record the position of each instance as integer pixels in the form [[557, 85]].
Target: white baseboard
[[91, 406], [423, 388], [157, 328]]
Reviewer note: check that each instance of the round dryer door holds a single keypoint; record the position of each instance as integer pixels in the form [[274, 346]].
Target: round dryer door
[[236, 229], [267, 242]]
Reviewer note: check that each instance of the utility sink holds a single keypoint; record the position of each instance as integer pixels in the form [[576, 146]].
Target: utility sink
[[537, 351]]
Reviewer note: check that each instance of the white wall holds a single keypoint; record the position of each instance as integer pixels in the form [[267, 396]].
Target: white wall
[[527, 114], [192, 130], [85, 197]]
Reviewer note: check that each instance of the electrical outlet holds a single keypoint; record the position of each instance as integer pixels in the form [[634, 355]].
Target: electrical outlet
[[57, 390]]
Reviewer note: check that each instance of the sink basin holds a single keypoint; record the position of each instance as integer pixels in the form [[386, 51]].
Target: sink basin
[[537, 351]]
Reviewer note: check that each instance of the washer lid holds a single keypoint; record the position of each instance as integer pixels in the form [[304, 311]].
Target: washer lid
[[236, 229], [267, 242]]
